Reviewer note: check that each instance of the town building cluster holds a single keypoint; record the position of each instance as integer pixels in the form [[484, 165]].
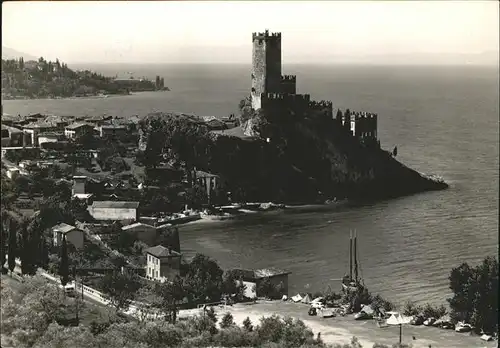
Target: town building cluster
[[47, 141]]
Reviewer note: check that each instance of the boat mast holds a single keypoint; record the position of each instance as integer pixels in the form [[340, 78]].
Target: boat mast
[[355, 258], [350, 255]]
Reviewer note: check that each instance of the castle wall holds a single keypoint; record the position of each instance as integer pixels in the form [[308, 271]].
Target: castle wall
[[274, 102], [289, 84], [322, 108], [363, 124]]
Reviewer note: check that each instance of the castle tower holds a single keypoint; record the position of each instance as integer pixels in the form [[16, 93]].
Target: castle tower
[[266, 66]]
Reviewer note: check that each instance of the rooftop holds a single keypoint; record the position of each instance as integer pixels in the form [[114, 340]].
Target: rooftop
[[269, 272], [259, 273], [63, 228], [202, 174], [113, 126], [115, 204], [137, 224], [41, 124], [77, 125], [161, 251], [11, 129], [233, 132]]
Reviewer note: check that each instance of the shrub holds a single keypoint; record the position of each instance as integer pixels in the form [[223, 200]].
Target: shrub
[[270, 329], [296, 333], [210, 313], [227, 321], [234, 336], [430, 311], [354, 344], [318, 294], [379, 303], [247, 324], [411, 309]]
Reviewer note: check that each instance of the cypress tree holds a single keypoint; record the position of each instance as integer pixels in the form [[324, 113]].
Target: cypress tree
[[12, 245], [2, 246], [64, 265], [26, 252]]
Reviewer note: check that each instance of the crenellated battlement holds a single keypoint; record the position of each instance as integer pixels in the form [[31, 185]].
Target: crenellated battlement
[[265, 35], [357, 115], [288, 97], [321, 104], [291, 78]]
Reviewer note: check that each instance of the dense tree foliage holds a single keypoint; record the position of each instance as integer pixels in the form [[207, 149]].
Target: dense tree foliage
[[43, 78], [203, 280], [475, 294], [120, 289]]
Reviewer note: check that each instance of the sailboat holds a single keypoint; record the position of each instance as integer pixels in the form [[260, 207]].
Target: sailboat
[[350, 283]]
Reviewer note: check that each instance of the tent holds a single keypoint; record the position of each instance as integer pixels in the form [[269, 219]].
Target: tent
[[297, 298], [317, 299], [486, 337], [306, 299], [397, 319], [367, 309]]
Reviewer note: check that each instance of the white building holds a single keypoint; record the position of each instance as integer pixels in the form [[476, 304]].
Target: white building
[[114, 210], [162, 263]]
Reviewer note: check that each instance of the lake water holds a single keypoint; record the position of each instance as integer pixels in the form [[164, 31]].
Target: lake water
[[444, 120]]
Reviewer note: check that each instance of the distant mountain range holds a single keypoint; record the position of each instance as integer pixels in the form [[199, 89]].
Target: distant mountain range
[[239, 54], [10, 53]]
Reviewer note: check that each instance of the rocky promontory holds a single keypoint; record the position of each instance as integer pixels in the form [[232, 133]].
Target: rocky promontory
[[285, 158]]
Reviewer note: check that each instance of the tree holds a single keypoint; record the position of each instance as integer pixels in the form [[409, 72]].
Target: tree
[[28, 311], [247, 324], [13, 250], [120, 289], [28, 252], [227, 321], [486, 302], [64, 265], [267, 289], [475, 294], [203, 279], [170, 293], [146, 298], [463, 285]]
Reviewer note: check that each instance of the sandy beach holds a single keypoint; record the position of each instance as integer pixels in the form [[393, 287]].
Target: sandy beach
[[341, 329]]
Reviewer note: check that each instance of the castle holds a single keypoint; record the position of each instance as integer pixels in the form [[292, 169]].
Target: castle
[[271, 90]]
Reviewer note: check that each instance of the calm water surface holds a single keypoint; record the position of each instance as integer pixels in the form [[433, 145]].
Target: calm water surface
[[443, 120]]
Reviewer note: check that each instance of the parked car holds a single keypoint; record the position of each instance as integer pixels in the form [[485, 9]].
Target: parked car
[[463, 327], [362, 316], [429, 321]]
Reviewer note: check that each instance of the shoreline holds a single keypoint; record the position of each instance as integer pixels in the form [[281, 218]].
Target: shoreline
[[207, 219], [105, 96], [340, 330]]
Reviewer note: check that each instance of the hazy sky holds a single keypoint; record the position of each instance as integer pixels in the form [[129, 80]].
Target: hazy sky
[[221, 31]]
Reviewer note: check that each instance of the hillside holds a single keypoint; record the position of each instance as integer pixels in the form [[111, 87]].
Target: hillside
[[10, 53], [46, 79], [305, 160]]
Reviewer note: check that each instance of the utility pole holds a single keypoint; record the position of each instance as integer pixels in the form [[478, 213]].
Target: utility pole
[[400, 333]]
